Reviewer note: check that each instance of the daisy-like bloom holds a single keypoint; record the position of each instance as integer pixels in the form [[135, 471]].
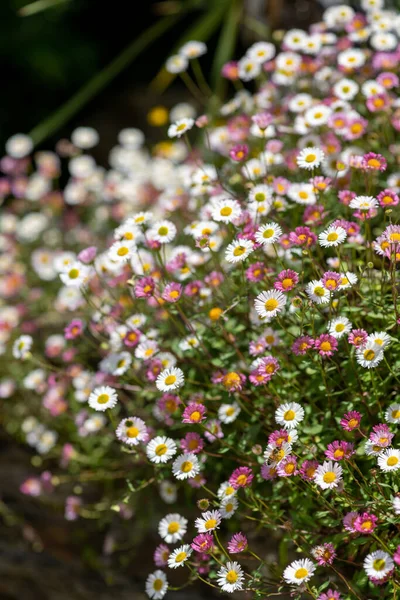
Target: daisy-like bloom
[[388, 198], [180, 127], [103, 397], [330, 595], [381, 338], [308, 469], [373, 162], [316, 291], [331, 280], [208, 521], [381, 435], [345, 89], [186, 466], [227, 413], [226, 490], [339, 327], [239, 250], [333, 236], [204, 542], [75, 275], [364, 203], [392, 414], [287, 467], [156, 585], [22, 346], [231, 577], [324, 554], [170, 379], [144, 287], [339, 450], [358, 338], [310, 158], [226, 211], [74, 329], [269, 304], [326, 344], [176, 64], [302, 345], [268, 234], [260, 193], [179, 556], [370, 355], [172, 292], [328, 475], [389, 460], [228, 507], [121, 251], [162, 232], [349, 520], [351, 420], [287, 280], [239, 152], [378, 564], [289, 415], [248, 68], [241, 477], [237, 543], [302, 193], [194, 413], [160, 449], [348, 279], [131, 431], [192, 442], [299, 571], [172, 528], [274, 453], [161, 554], [365, 523], [193, 49]]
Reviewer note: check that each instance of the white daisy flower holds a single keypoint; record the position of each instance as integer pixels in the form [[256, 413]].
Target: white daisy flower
[[156, 585], [162, 232], [103, 397], [302, 193], [128, 231], [180, 127], [381, 338], [269, 304], [317, 115], [76, 274], [389, 460], [121, 251], [228, 507], [372, 449], [160, 449], [85, 137], [131, 431], [170, 379], [328, 475], [248, 68], [227, 413], [288, 61], [392, 414], [186, 466], [275, 454], [346, 89], [299, 571], [339, 327], [172, 528], [289, 414], [193, 49], [372, 88], [19, 145], [333, 236], [299, 103], [383, 42], [370, 355], [310, 158], [22, 346], [317, 292], [294, 39], [363, 203], [176, 64], [239, 250], [226, 210], [378, 564], [225, 490], [178, 557], [347, 280], [254, 169], [268, 234], [208, 521], [261, 52], [260, 193], [146, 350], [142, 218], [231, 577], [351, 59], [168, 492]]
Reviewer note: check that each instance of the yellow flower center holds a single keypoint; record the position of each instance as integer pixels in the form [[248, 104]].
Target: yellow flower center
[[332, 237], [369, 354], [215, 313], [239, 250], [186, 466], [230, 411], [366, 525], [289, 468], [353, 423], [374, 163], [226, 211], [319, 290], [271, 304], [161, 449], [229, 490], [392, 461], [195, 416], [329, 477], [181, 127], [379, 564], [300, 573], [132, 432], [210, 524], [268, 233], [173, 527], [259, 197], [310, 158], [339, 327], [231, 379], [326, 346], [289, 415], [231, 576], [180, 557], [303, 195], [242, 479], [103, 398], [396, 414], [395, 237], [122, 251], [170, 380], [287, 282], [157, 585], [339, 453], [74, 273]]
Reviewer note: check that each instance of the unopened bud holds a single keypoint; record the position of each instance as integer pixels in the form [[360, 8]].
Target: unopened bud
[[257, 449], [203, 504]]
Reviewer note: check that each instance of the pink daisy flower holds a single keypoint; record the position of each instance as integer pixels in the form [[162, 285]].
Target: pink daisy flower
[[373, 162], [387, 198], [132, 337], [238, 543], [303, 236], [349, 521], [330, 595], [331, 280], [194, 413], [241, 477], [351, 420], [256, 272], [302, 345], [287, 467], [326, 344], [339, 450], [172, 292], [324, 554], [307, 469], [214, 430], [204, 542], [239, 152], [358, 338], [381, 435], [161, 555], [365, 523], [192, 442], [73, 329], [144, 287], [287, 280]]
